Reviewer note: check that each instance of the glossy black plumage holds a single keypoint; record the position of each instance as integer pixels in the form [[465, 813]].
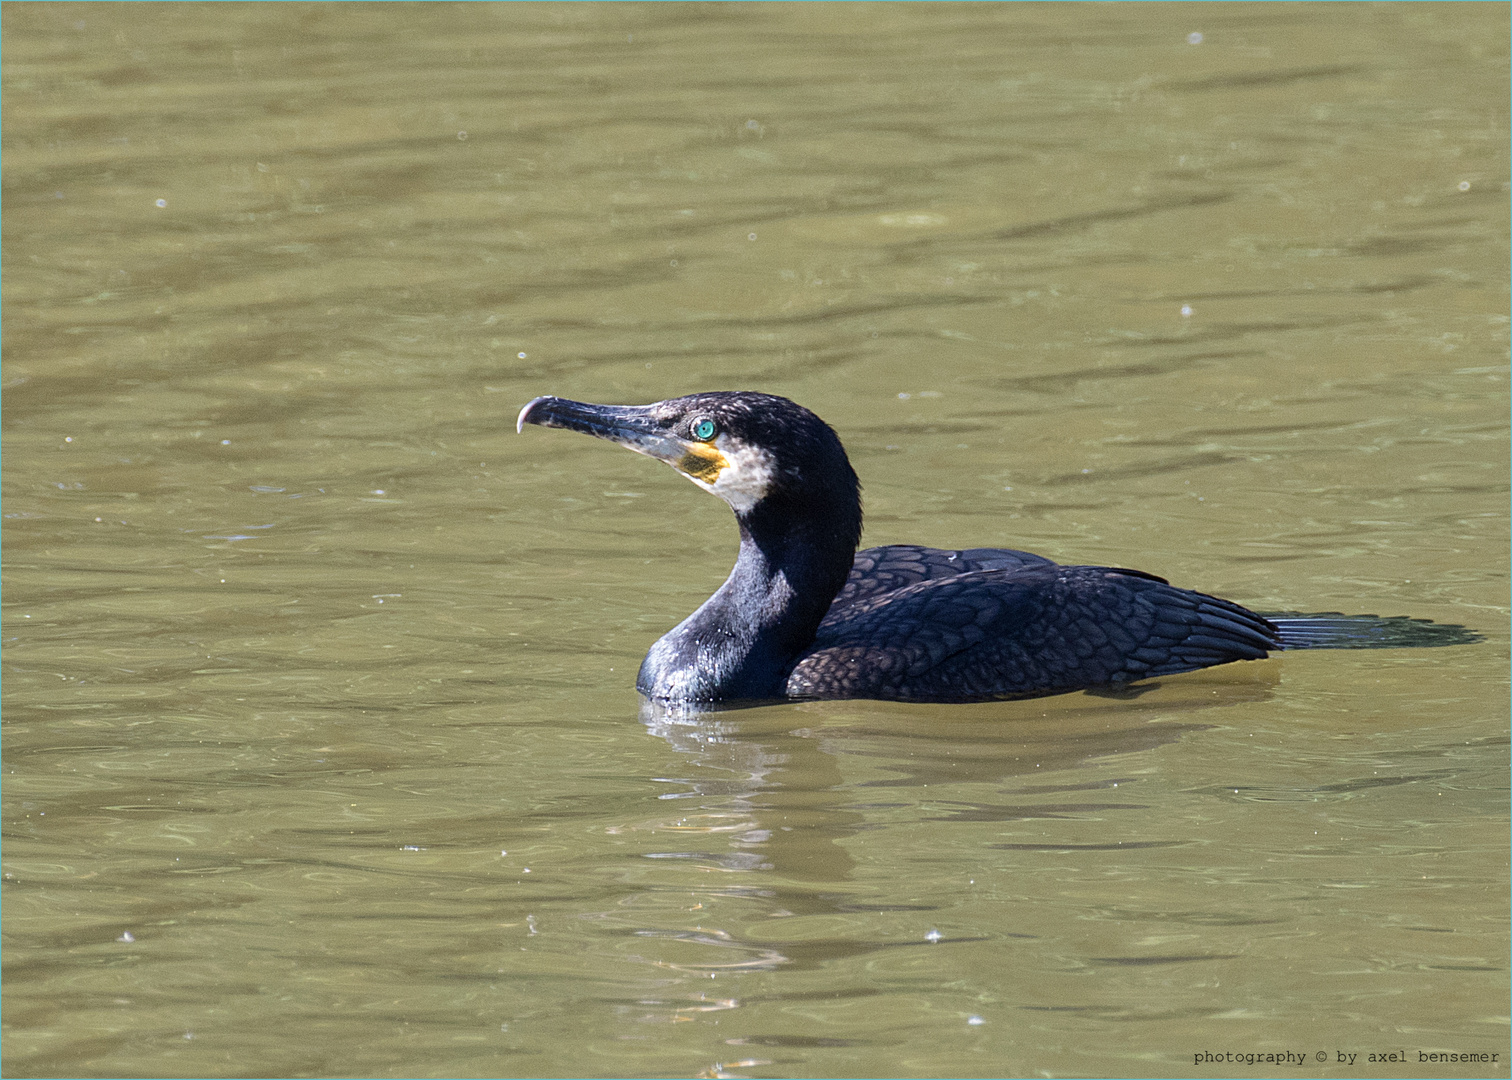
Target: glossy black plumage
[[1019, 632], [803, 615]]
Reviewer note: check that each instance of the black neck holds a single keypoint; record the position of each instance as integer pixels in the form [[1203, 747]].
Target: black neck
[[741, 641]]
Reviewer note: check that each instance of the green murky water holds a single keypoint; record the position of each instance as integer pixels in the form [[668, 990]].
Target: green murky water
[[322, 753]]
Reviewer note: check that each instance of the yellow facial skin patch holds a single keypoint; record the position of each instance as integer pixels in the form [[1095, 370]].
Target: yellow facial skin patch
[[702, 462]]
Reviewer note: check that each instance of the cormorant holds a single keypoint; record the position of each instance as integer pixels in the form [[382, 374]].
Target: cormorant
[[804, 615]]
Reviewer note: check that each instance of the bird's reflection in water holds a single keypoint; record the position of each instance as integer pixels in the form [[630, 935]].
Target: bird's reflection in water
[[773, 784], [768, 801], [772, 791]]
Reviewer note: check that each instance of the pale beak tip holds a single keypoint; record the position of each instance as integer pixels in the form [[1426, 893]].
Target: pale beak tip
[[524, 416]]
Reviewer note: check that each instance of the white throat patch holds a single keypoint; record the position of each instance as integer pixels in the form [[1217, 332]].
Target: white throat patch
[[745, 477]]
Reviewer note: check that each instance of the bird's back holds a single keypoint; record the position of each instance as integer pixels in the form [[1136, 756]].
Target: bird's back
[[924, 624], [881, 570]]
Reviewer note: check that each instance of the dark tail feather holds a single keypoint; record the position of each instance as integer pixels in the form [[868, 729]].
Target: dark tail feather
[[1331, 630]]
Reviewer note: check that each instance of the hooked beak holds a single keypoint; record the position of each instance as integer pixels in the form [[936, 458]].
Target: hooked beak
[[634, 427]]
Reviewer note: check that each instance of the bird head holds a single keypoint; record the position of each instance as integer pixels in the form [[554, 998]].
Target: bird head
[[755, 451]]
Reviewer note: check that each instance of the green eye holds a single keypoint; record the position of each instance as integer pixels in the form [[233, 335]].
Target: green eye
[[704, 430]]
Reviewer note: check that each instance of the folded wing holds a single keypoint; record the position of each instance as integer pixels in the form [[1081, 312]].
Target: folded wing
[[1030, 630]]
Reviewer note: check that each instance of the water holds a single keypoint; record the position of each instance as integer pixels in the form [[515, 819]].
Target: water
[[322, 750]]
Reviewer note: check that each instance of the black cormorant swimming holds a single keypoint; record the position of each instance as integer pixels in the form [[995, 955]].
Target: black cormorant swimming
[[805, 615]]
